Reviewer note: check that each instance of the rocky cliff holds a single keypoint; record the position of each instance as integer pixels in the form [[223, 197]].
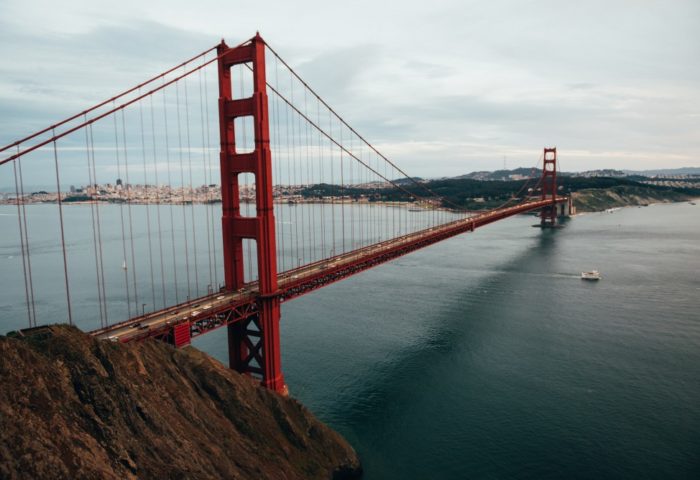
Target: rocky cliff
[[599, 199], [72, 407]]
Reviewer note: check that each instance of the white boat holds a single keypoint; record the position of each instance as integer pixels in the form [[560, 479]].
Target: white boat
[[592, 275]]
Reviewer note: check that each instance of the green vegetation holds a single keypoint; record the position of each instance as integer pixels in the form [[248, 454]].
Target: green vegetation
[[589, 193], [77, 198], [597, 199]]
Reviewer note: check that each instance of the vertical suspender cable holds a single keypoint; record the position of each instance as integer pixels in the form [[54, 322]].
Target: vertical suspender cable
[[170, 196], [121, 215], [278, 153], [209, 163], [308, 205], [91, 184], [298, 180], [131, 222], [245, 178], [158, 204], [189, 163], [342, 189], [330, 157], [182, 190], [99, 229], [18, 199], [26, 240], [352, 207], [278, 166], [321, 182], [296, 260], [148, 207], [207, 181], [63, 236]]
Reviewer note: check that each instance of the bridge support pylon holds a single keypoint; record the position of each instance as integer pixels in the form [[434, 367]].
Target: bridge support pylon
[[254, 343], [548, 215]]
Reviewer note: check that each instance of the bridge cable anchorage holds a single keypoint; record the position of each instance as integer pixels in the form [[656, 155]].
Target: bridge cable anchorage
[[63, 235]]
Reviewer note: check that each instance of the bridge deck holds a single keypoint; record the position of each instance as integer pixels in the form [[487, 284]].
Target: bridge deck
[[216, 310]]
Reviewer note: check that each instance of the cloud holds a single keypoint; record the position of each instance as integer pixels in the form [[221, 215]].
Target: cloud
[[455, 85]]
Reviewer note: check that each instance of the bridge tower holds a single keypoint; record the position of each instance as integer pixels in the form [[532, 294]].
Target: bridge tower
[[254, 343], [548, 214]]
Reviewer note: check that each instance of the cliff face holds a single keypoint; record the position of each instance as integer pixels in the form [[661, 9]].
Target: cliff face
[[599, 199], [76, 408]]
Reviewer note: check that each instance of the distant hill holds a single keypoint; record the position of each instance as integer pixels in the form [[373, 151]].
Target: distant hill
[[666, 171], [607, 172], [519, 173], [499, 175], [408, 181]]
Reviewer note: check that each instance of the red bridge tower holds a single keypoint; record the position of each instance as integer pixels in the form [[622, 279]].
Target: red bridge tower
[[254, 343], [548, 215]]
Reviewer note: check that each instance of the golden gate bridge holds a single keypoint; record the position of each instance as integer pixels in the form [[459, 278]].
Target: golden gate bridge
[[306, 201]]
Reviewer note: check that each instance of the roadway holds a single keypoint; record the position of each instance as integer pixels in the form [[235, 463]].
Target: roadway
[[299, 281]]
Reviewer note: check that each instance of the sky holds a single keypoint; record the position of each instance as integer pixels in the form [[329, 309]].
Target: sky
[[442, 88]]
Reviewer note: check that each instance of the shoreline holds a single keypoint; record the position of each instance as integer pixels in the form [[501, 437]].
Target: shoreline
[[614, 209], [395, 204]]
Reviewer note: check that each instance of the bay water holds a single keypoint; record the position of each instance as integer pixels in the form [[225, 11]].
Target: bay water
[[486, 355]]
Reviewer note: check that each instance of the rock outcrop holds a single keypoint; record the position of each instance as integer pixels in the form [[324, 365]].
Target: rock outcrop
[[72, 407], [599, 199]]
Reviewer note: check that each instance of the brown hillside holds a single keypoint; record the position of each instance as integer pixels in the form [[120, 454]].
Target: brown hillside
[[72, 407]]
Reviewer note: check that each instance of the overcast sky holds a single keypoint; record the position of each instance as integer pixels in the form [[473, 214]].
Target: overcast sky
[[441, 87]]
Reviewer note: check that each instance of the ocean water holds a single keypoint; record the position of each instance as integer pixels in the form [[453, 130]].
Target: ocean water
[[484, 356]]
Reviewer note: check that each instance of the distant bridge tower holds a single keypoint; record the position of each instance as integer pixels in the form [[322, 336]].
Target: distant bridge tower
[[548, 215], [254, 343]]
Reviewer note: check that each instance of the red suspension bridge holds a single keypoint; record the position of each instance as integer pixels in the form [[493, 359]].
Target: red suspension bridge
[[305, 201]]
